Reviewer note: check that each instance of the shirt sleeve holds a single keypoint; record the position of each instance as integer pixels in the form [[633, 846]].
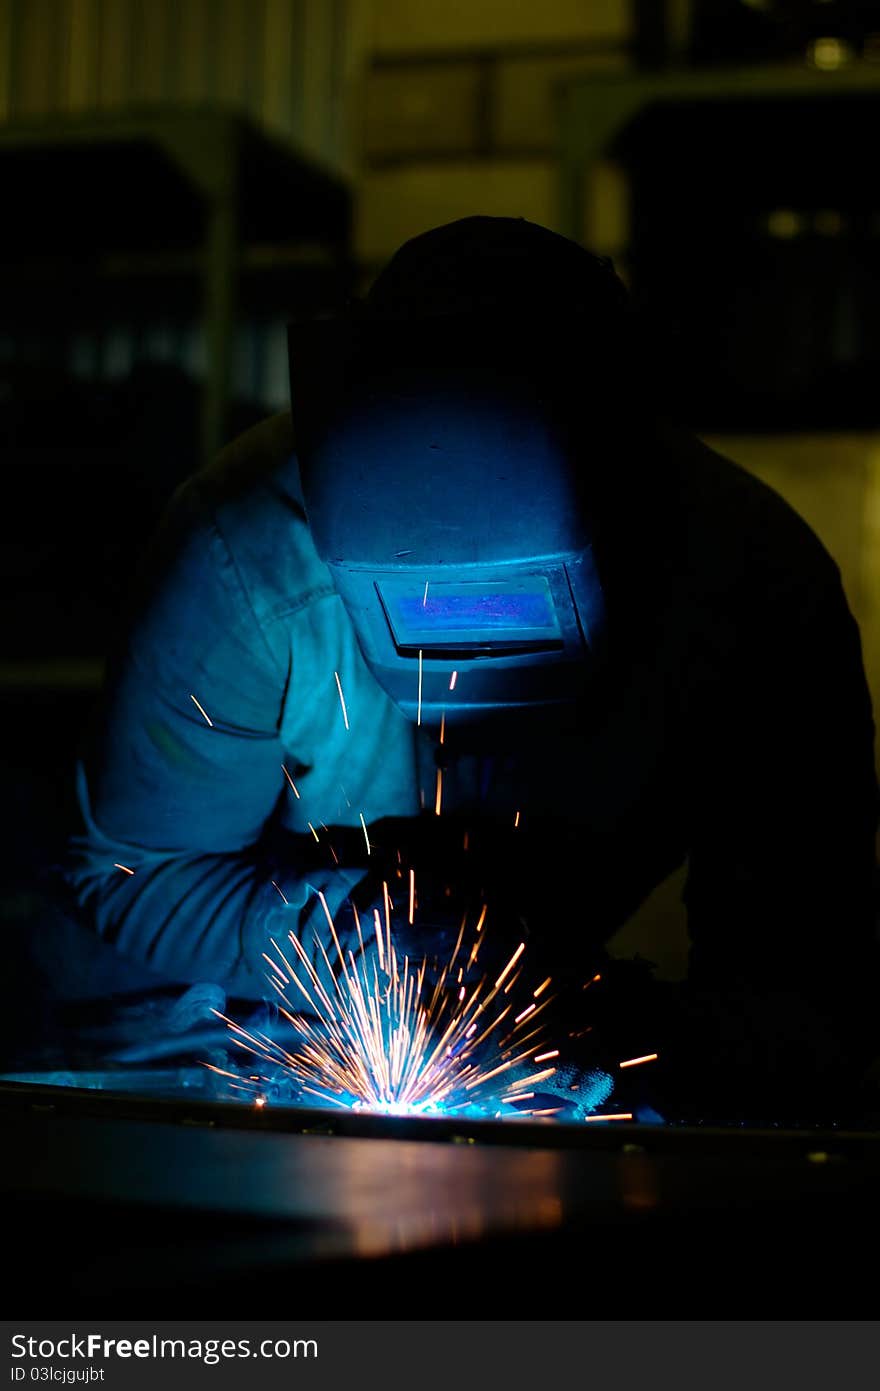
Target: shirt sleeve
[[175, 861], [782, 887]]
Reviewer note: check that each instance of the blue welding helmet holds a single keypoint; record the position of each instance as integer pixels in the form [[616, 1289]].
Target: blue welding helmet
[[443, 482], [446, 508]]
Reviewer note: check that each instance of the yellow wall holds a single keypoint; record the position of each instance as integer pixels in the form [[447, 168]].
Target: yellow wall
[[459, 108], [396, 204], [833, 481], [409, 26]]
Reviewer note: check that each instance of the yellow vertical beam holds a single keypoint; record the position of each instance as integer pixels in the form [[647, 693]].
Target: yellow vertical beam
[[253, 21], [313, 68], [150, 39], [192, 38], [82, 54], [37, 57], [233, 17], [352, 49], [7, 39], [115, 53], [277, 73]]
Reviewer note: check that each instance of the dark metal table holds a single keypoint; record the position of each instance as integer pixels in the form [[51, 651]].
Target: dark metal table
[[124, 1202]]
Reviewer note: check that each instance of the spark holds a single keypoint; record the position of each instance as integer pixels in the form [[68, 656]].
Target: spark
[[425, 596], [276, 972], [314, 832], [290, 780], [373, 1028], [443, 727], [511, 963], [341, 699], [382, 1035], [327, 914], [452, 680], [419, 715], [634, 1062], [125, 869], [221, 1072], [438, 798], [477, 930], [202, 711], [516, 821], [377, 927], [386, 903], [527, 1081]]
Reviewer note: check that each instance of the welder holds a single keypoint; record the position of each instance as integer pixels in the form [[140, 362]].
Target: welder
[[475, 609]]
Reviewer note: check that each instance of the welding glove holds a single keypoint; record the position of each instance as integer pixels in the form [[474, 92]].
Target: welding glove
[[527, 879], [458, 870]]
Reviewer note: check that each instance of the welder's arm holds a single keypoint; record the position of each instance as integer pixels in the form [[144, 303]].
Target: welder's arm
[[184, 797], [782, 885]]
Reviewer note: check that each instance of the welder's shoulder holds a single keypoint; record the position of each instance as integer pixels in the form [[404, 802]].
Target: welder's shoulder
[[251, 496], [748, 540]]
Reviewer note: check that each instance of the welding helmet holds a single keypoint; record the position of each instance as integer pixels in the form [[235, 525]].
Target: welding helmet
[[441, 448]]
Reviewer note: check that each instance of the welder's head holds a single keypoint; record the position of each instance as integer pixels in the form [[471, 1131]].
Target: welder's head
[[454, 431]]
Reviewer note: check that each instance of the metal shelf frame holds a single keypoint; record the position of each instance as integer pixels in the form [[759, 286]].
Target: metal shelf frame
[[594, 111], [222, 158]]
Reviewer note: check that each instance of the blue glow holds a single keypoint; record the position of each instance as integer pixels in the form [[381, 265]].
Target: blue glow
[[518, 611], [483, 612]]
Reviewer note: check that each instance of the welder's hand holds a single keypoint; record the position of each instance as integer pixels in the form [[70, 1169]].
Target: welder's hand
[[527, 876], [600, 1016], [443, 871], [440, 933]]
